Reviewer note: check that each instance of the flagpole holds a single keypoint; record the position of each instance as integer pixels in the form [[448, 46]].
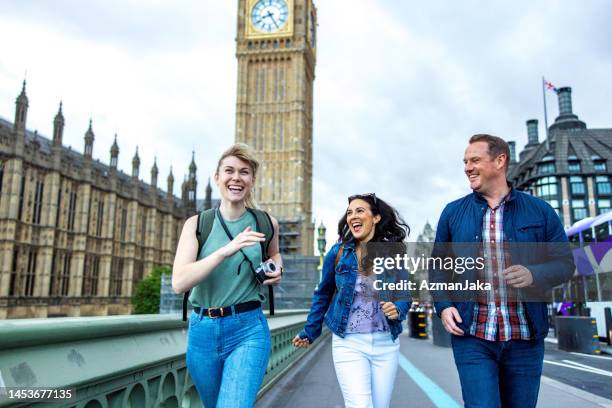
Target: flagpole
[[545, 112]]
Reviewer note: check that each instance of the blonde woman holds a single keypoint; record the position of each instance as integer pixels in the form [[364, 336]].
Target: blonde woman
[[229, 340]]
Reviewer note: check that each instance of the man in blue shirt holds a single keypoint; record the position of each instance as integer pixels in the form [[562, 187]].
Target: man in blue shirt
[[498, 335]]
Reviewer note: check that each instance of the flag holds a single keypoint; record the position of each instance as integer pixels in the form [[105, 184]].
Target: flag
[[550, 86]]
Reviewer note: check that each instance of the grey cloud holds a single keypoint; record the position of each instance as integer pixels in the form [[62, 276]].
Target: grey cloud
[[143, 27], [400, 85]]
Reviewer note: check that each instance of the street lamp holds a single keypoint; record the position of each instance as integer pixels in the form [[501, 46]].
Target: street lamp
[[321, 243]]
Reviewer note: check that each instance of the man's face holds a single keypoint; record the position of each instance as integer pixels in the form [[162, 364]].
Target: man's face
[[481, 169]]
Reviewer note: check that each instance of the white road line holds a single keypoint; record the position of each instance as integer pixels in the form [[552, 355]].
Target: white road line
[[591, 355], [601, 370], [607, 374], [587, 396]]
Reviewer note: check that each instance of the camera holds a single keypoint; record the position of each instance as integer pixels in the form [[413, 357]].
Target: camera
[[260, 272]]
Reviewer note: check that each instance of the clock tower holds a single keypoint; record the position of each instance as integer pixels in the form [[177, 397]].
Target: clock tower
[[276, 52]]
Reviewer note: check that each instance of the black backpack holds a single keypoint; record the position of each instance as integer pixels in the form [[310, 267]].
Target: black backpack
[[263, 223]]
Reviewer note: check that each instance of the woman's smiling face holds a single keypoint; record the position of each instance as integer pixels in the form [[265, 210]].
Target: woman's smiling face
[[234, 178], [360, 219]]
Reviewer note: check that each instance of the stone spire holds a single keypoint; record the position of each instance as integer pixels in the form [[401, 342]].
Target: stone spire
[[89, 139], [114, 151], [192, 166], [58, 127], [170, 181], [135, 164], [208, 197], [21, 110], [154, 173], [189, 188]]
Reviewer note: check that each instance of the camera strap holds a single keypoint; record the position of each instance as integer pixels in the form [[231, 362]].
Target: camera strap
[[246, 258], [231, 238]]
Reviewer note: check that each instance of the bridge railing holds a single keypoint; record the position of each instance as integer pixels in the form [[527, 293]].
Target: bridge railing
[[118, 361]]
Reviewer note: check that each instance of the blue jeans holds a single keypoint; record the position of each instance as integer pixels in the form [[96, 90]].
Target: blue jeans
[[227, 357], [498, 374]]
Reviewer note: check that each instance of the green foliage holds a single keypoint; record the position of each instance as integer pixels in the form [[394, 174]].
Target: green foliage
[[146, 296]]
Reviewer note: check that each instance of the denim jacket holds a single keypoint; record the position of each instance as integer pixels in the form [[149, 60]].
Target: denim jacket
[[333, 297], [527, 219]]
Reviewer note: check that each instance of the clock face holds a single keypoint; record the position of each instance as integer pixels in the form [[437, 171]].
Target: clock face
[[270, 15]]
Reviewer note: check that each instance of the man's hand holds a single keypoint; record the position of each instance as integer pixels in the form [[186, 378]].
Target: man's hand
[[517, 276], [390, 310], [449, 316]]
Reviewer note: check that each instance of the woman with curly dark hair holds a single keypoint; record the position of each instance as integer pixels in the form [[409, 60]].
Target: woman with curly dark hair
[[365, 322]]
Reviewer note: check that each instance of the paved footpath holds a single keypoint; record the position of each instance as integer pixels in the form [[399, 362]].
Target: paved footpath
[[426, 378]]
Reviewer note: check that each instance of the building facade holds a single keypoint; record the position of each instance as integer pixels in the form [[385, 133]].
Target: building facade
[[570, 169], [76, 235], [276, 52]]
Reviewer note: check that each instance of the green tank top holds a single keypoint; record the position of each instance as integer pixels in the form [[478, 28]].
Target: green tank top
[[224, 286]]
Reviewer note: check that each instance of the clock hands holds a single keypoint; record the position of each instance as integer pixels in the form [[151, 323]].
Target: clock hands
[[271, 16]]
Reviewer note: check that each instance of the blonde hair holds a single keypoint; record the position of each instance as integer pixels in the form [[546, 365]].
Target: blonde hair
[[245, 153]]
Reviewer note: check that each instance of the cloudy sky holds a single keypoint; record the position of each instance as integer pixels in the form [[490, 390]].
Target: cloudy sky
[[400, 85]]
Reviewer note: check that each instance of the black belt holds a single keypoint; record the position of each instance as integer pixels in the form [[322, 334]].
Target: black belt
[[227, 311]]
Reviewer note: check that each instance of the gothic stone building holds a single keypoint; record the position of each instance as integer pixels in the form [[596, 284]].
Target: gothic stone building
[[76, 234], [570, 169]]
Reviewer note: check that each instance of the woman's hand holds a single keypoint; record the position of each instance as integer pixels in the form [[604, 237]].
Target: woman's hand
[[274, 278], [246, 238], [390, 310], [300, 342]]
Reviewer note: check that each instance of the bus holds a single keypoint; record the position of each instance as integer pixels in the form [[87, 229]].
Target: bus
[[591, 241]]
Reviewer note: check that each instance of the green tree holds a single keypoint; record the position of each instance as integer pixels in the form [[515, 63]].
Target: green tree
[[146, 296]]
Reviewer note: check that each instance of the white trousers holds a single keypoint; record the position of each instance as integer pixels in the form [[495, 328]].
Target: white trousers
[[366, 365]]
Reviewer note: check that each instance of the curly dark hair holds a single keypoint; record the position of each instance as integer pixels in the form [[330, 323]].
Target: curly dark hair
[[390, 228]]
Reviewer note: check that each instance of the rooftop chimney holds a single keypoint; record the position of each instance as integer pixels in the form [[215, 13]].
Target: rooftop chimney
[[566, 118], [532, 132], [512, 146], [565, 101]]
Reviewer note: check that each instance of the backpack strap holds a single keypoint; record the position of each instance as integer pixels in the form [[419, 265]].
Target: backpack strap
[[263, 223], [204, 226], [206, 219]]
